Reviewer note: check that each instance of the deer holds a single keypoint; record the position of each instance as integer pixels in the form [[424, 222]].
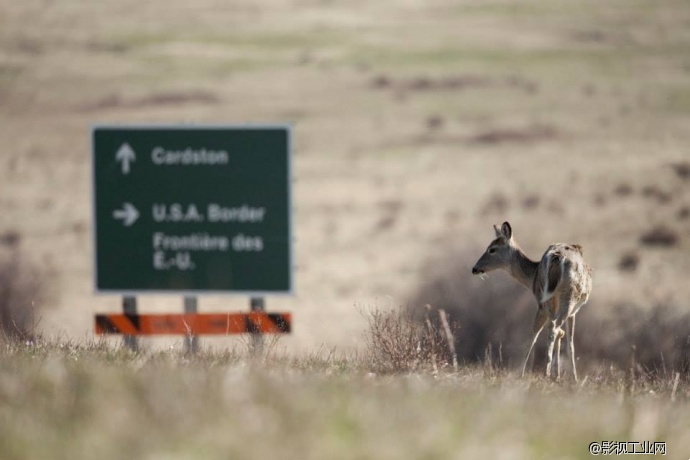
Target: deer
[[561, 282]]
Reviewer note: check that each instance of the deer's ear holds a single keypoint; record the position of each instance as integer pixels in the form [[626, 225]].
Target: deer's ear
[[506, 230], [498, 231]]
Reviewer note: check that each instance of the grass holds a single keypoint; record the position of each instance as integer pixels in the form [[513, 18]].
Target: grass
[[399, 399], [82, 399]]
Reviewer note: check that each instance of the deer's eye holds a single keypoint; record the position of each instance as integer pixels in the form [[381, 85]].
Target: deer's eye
[[492, 250]]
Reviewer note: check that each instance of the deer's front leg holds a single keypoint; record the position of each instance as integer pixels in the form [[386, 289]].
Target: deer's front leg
[[539, 321]]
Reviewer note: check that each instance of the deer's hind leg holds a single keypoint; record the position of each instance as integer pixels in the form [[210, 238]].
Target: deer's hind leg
[[557, 357], [555, 334], [570, 333]]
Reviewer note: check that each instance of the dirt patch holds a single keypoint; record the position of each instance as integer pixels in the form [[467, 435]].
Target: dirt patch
[[531, 202], [590, 36], [389, 211], [623, 190], [10, 238], [530, 134], [435, 122], [656, 193], [450, 83], [522, 83], [115, 101], [496, 204]]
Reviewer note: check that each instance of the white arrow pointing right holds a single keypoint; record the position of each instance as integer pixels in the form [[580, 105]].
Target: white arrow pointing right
[[128, 214]]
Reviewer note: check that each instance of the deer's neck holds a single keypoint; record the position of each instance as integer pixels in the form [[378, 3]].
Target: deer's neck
[[523, 269]]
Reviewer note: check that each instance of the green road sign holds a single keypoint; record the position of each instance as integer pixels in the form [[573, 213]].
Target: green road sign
[[191, 209]]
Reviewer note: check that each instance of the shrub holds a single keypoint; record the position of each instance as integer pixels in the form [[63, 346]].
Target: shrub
[[623, 190], [399, 340], [22, 292], [649, 341], [655, 192], [682, 169], [495, 317], [496, 204], [660, 236], [491, 316], [629, 261]]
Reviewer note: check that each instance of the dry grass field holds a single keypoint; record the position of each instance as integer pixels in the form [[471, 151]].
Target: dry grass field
[[67, 400], [416, 126]]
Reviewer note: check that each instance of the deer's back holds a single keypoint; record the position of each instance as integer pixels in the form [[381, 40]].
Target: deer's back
[[563, 272]]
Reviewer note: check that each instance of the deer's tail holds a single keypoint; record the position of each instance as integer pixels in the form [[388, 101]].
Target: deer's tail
[[554, 269]]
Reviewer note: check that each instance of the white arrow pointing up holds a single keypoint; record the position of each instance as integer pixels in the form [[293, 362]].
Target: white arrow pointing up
[[125, 154], [128, 214]]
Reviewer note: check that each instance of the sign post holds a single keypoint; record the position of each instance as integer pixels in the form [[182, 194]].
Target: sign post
[[191, 340], [129, 307], [191, 210], [257, 304]]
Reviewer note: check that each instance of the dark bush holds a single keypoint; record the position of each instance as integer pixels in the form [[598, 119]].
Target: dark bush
[[496, 204], [530, 134], [495, 312], [629, 261], [10, 239], [655, 192], [531, 201], [660, 236], [682, 169], [623, 190], [650, 341], [495, 317], [22, 292], [684, 213]]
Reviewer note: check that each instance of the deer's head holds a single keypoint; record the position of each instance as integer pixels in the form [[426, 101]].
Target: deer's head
[[499, 252]]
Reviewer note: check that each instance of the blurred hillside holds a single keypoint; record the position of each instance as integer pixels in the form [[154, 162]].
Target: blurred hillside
[[417, 125]]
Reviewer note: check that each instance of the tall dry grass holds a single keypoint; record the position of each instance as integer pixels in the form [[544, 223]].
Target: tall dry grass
[[80, 399], [398, 341]]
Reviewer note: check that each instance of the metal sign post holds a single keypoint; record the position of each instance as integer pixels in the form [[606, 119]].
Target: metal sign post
[[191, 341], [257, 305], [129, 308]]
